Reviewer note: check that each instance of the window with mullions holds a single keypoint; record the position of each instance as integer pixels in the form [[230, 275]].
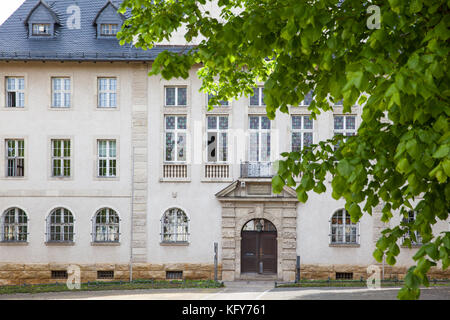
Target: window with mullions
[[412, 215], [15, 158], [41, 29], [109, 29], [217, 135], [259, 146], [222, 103], [61, 158], [175, 226], [106, 226], [175, 138], [61, 92], [343, 230], [302, 132], [15, 92], [107, 92], [307, 99], [60, 225], [14, 226], [257, 99], [107, 158], [176, 96], [345, 126]]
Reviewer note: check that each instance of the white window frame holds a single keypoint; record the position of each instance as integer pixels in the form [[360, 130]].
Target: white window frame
[[18, 144], [18, 90], [260, 133], [108, 158], [63, 93], [177, 103], [109, 91], [112, 223], [219, 142], [303, 104], [62, 158], [177, 232], [43, 29], [109, 29], [343, 226], [17, 231], [260, 97], [175, 133], [302, 130], [410, 219], [223, 103]]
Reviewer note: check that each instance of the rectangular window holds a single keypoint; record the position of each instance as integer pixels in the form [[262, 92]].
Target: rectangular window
[[109, 29], [15, 92], [59, 274], [15, 158], [61, 158], [257, 99], [41, 29], [176, 96], [217, 135], [222, 103], [344, 275], [302, 132], [174, 275], [344, 125], [175, 138], [259, 128], [105, 274], [61, 92], [308, 99], [107, 158], [107, 92], [409, 220]]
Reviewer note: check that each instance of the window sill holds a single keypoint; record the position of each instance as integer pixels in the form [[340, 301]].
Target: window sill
[[344, 245], [101, 244], [177, 244], [60, 243], [175, 180], [413, 246], [14, 108], [13, 243], [218, 180]]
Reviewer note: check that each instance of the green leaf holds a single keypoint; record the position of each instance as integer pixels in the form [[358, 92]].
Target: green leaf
[[442, 151]]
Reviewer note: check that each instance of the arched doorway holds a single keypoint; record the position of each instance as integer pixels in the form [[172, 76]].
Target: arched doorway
[[259, 247]]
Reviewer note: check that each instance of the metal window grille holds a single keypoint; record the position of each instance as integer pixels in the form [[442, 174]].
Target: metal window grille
[[59, 274], [61, 92], [106, 226], [344, 275], [302, 132], [174, 275], [15, 158], [107, 158], [60, 226], [61, 158], [105, 274], [174, 226], [14, 226], [175, 138], [107, 92], [343, 230], [15, 92], [217, 139], [175, 96]]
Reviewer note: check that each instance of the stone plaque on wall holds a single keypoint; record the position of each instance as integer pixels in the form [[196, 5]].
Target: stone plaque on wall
[[259, 189]]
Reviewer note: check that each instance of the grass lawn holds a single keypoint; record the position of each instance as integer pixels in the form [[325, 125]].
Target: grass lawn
[[116, 285]]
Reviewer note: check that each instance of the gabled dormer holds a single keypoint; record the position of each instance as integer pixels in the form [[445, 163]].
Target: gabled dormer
[[41, 21], [108, 21]]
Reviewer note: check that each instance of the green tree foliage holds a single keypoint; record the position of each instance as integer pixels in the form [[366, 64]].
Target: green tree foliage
[[399, 72]]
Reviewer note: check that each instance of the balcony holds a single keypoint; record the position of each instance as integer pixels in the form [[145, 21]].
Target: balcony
[[256, 170]]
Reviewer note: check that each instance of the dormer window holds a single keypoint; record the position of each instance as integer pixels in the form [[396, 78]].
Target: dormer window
[[41, 29], [109, 29]]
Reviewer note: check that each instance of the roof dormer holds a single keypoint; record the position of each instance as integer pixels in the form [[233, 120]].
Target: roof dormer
[[108, 21], [41, 21]]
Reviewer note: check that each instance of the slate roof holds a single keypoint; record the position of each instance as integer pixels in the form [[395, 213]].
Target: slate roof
[[69, 44]]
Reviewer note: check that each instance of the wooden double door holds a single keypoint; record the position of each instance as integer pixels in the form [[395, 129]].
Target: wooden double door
[[259, 252]]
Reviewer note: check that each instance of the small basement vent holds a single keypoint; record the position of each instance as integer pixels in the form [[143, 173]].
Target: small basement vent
[[344, 275], [105, 274], [59, 274], [174, 274]]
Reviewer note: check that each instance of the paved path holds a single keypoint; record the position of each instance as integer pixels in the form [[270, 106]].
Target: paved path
[[243, 290]]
